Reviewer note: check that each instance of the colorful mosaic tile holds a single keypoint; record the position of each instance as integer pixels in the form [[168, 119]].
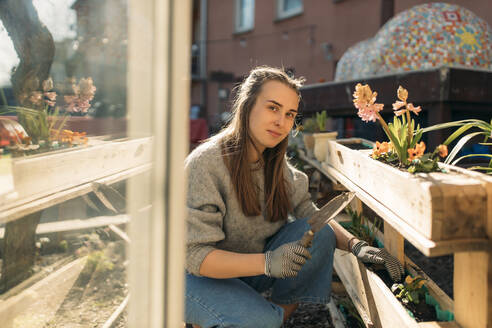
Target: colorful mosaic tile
[[425, 36]]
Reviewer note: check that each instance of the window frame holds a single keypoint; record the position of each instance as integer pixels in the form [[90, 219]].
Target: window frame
[[284, 14], [237, 15]]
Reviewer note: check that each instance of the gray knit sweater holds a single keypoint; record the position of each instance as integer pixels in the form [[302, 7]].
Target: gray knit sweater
[[215, 219]]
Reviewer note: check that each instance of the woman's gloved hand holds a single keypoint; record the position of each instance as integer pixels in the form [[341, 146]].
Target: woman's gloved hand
[[286, 261], [369, 254]]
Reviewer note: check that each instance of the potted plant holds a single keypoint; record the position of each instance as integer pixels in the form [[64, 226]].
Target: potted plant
[[322, 136]]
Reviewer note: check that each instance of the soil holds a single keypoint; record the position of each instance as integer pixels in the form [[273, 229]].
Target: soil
[[421, 312], [100, 287], [99, 290]]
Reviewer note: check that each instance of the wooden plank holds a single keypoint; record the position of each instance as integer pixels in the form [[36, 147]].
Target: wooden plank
[[426, 246], [394, 242], [441, 206], [375, 303], [347, 269], [42, 175], [471, 283], [336, 317], [117, 313], [77, 224], [435, 324], [32, 204], [36, 305]]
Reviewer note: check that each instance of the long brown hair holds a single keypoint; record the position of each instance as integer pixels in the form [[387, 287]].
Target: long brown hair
[[235, 138]]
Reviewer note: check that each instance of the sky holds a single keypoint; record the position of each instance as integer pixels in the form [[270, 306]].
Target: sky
[[60, 21]]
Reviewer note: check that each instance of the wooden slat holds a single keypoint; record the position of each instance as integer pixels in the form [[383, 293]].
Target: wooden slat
[[471, 289], [31, 204], [394, 242], [36, 305], [77, 224], [435, 324], [336, 317]]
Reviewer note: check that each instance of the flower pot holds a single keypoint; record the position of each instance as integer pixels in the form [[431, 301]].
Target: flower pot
[[308, 143], [321, 144]]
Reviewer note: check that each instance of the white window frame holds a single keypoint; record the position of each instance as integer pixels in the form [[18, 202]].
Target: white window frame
[[282, 14], [159, 54], [238, 28]]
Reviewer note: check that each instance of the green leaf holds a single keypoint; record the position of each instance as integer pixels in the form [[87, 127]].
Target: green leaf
[[457, 133], [459, 145]]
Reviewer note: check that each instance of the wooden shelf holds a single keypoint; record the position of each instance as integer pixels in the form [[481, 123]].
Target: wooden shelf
[[45, 180], [427, 246]]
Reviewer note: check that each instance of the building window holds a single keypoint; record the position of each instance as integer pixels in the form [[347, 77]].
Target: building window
[[288, 8], [245, 15]]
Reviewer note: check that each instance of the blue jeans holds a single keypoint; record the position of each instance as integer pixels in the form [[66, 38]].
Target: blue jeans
[[237, 302]]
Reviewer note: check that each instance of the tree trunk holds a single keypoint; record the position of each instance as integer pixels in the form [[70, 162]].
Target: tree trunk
[[35, 47], [19, 250], [32, 42]]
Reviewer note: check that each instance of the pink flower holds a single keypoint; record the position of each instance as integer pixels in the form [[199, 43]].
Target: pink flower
[[411, 108], [365, 102], [368, 112], [398, 104], [83, 94]]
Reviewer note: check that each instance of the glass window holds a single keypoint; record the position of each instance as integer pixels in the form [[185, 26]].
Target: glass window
[[288, 8], [91, 162], [245, 15]]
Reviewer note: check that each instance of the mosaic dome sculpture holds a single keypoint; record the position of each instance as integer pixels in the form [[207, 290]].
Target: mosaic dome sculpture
[[425, 36]]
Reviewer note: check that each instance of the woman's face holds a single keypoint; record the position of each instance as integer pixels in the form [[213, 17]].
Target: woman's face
[[272, 116]]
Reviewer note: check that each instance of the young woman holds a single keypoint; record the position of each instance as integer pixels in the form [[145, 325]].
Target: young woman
[[240, 242]]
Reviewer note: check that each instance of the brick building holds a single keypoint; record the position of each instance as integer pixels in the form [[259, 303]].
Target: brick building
[[307, 37]]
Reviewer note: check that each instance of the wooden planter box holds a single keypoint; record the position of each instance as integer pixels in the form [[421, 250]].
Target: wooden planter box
[[440, 206], [373, 300], [46, 174]]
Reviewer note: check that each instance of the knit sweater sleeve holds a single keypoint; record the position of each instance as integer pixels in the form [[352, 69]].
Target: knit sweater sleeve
[[205, 211], [301, 198]]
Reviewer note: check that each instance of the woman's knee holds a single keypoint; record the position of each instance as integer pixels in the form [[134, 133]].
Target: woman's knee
[[325, 240]]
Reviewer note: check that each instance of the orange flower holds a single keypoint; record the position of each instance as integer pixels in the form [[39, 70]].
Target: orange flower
[[380, 148], [420, 148], [443, 150], [417, 152]]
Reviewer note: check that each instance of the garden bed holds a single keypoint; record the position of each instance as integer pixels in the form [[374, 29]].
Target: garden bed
[[440, 206], [372, 296]]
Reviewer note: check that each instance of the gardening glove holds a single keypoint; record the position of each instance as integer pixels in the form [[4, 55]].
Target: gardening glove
[[286, 261], [368, 254]]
